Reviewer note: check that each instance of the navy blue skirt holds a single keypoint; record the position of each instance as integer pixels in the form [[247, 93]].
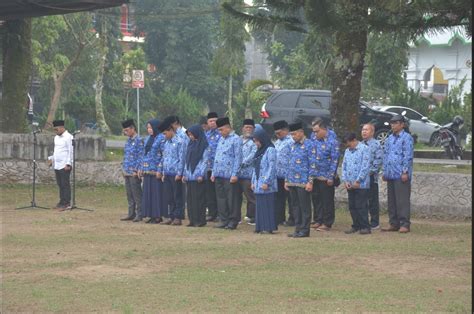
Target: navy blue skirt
[[152, 199], [265, 213]]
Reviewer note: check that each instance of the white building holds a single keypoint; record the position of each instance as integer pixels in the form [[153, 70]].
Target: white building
[[439, 61]]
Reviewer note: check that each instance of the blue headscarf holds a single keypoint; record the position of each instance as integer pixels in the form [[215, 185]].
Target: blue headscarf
[[195, 148], [266, 142], [155, 123]]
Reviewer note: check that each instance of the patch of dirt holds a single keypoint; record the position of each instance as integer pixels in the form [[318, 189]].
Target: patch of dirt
[[99, 272]]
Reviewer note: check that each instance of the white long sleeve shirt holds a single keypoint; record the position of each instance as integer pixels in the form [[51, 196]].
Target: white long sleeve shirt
[[63, 151]]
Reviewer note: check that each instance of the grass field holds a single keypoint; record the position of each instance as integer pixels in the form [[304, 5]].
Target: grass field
[[79, 261]]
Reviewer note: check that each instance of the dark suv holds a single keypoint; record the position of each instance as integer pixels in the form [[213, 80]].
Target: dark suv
[[305, 105]]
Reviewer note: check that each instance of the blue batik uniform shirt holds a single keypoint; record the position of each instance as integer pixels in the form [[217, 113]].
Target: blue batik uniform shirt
[[301, 164], [398, 156], [248, 151], [200, 170], [213, 136], [356, 165], [152, 162], [228, 157], [376, 156], [331, 134], [283, 150], [173, 157], [327, 157], [132, 155], [267, 173]]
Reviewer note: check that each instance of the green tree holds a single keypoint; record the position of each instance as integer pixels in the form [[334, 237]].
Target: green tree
[[229, 60], [16, 56], [181, 38], [350, 22], [58, 44]]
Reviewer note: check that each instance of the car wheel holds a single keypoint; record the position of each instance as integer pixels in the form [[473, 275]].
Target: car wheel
[[381, 135], [435, 140]]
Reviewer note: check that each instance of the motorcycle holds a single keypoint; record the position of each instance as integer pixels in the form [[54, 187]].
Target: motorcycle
[[449, 140]]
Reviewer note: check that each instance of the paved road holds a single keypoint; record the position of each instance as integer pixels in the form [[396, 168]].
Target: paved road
[[121, 144]]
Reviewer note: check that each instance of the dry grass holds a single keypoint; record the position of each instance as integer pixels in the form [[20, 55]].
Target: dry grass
[[80, 261]]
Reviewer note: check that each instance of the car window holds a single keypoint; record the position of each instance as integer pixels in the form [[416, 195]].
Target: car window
[[310, 102], [413, 115], [284, 100], [395, 110]]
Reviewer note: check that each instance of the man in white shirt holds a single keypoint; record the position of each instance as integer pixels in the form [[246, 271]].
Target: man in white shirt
[[61, 161]]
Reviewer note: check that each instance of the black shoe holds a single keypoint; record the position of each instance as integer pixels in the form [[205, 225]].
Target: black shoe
[[301, 235], [220, 225], [351, 231], [289, 223], [202, 225], [190, 225], [127, 218], [153, 221], [210, 218], [137, 219], [365, 231], [230, 227]]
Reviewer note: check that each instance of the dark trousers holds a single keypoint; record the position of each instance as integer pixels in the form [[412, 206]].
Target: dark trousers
[[228, 208], [244, 189], [173, 198], [398, 198], [211, 201], [325, 210], [281, 198], [373, 201], [301, 206], [358, 208], [133, 186], [64, 184], [196, 197]]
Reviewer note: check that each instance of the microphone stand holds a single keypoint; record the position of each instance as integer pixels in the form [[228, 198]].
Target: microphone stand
[[73, 203], [33, 201]]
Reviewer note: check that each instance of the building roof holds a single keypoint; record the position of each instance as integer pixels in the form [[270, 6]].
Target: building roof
[[443, 37], [14, 9]]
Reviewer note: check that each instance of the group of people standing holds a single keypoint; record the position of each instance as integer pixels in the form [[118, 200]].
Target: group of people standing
[[208, 168]]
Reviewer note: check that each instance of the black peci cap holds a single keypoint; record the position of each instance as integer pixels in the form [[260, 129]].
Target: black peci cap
[[212, 115], [296, 126], [282, 124], [249, 122], [222, 121], [58, 123]]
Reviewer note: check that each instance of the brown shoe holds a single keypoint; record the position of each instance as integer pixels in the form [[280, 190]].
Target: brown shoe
[[176, 222], [316, 225], [392, 228], [167, 221], [404, 230], [323, 228]]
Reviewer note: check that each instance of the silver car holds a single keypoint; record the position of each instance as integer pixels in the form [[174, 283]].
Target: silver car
[[425, 129]]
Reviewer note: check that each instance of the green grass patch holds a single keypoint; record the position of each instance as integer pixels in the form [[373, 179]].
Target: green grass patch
[[78, 261]]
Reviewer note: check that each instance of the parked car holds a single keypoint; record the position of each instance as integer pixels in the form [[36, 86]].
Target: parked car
[[305, 105], [425, 130]]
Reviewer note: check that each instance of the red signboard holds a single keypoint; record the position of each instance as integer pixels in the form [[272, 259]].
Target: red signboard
[[138, 79]]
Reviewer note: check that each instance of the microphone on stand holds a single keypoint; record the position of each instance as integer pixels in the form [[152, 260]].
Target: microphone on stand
[[37, 131]]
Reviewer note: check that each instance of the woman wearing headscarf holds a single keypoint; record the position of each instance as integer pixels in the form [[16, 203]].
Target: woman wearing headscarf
[[195, 169], [264, 182], [150, 170]]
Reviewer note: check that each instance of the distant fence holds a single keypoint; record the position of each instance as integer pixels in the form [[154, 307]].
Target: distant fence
[[20, 146], [433, 194]]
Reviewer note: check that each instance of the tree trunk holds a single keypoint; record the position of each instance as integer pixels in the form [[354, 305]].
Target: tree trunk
[[16, 72], [346, 80], [229, 101], [99, 84], [248, 109], [58, 85]]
